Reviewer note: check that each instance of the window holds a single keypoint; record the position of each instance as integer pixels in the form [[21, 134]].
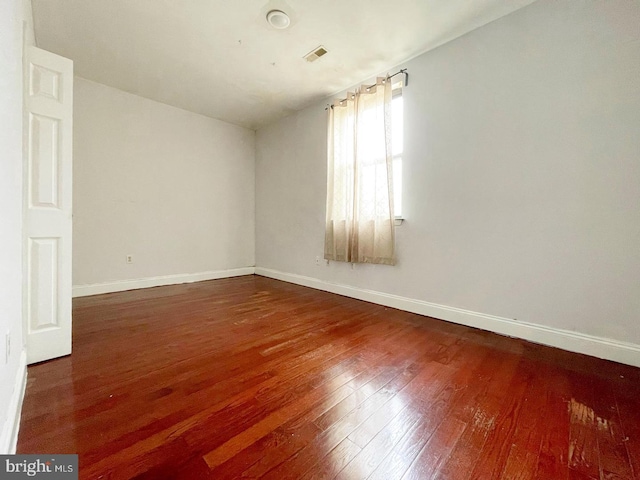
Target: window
[[364, 151], [372, 161], [397, 133]]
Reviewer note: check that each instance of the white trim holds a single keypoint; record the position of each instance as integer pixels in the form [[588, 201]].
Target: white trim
[[9, 434], [122, 285], [609, 349]]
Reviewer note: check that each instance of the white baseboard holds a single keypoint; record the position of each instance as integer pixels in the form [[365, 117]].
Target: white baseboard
[[9, 434], [122, 285], [622, 352]]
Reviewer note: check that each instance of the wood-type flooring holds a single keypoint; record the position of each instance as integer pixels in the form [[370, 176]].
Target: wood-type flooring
[[251, 377]]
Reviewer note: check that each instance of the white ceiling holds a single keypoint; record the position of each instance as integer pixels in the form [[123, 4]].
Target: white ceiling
[[221, 59]]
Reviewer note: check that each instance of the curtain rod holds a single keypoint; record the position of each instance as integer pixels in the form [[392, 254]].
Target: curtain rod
[[402, 71], [405, 73]]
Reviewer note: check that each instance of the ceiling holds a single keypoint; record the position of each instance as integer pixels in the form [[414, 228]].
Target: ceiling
[[220, 58]]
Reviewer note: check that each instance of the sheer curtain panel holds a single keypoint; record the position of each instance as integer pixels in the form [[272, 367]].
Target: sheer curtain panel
[[360, 219]]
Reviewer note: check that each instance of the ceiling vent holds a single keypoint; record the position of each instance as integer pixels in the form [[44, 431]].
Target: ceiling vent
[[315, 54]]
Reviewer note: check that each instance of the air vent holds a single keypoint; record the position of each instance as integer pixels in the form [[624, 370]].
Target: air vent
[[315, 54]]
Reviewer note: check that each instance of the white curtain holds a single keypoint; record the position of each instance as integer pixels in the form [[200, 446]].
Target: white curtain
[[360, 218]]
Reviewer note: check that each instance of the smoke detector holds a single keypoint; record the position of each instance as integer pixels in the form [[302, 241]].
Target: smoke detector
[[278, 19], [315, 54]]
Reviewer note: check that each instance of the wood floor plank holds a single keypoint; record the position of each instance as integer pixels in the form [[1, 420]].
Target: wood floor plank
[[334, 461], [315, 452], [527, 438], [436, 450], [495, 452], [254, 378], [584, 452], [629, 413], [614, 456], [374, 424], [433, 407], [480, 416], [366, 461], [269, 451], [553, 456], [424, 407], [274, 420]]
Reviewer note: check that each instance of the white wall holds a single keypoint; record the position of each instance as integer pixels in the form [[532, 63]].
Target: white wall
[[11, 372], [170, 187], [521, 175]]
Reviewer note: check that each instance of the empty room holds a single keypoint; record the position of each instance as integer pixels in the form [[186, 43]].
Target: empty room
[[296, 239]]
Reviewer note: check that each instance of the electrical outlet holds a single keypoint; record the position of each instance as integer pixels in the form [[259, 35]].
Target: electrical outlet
[[129, 258]]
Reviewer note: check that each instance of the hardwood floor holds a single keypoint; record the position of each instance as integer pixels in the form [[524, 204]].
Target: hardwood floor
[[251, 377]]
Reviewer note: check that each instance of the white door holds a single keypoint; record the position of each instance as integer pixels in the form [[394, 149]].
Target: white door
[[48, 172]]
